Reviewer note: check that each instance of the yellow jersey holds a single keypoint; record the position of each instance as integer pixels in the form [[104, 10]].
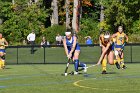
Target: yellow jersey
[[120, 38], [2, 43]]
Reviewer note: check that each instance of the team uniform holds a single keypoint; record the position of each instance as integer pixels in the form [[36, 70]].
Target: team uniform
[[109, 43], [120, 40], [104, 43], [2, 50], [119, 46], [69, 44]]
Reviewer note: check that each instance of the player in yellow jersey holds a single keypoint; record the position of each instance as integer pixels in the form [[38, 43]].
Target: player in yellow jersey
[[3, 43], [107, 53], [119, 43]]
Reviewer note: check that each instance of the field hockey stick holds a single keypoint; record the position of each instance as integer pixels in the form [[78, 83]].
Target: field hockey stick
[[66, 69], [72, 72], [118, 53], [91, 66], [122, 48]]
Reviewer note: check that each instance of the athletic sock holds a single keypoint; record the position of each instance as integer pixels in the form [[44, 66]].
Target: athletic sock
[[3, 63], [76, 63], [115, 61], [122, 62], [82, 65], [119, 60], [0, 64], [104, 62]]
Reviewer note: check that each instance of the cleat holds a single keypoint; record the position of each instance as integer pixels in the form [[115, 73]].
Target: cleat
[[85, 68], [75, 73], [104, 72], [65, 74], [124, 67], [117, 65]]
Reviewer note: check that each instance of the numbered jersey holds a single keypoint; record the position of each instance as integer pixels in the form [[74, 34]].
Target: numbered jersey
[[120, 38], [2, 43]]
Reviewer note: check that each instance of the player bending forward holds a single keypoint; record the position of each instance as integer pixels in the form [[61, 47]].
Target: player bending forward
[[3, 43], [72, 50], [107, 52]]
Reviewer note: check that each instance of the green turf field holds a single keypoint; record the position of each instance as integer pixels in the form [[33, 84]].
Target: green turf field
[[47, 79]]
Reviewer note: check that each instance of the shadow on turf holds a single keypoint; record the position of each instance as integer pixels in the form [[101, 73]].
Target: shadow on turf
[[111, 73], [7, 68]]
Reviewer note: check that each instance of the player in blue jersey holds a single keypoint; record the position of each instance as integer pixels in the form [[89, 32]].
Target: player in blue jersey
[[72, 50]]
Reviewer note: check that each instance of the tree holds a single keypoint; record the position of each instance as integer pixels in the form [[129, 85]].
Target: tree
[[67, 3], [76, 15], [54, 17], [121, 12], [19, 20], [101, 15]]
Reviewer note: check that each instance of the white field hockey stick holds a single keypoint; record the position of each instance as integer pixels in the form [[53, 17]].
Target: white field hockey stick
[[119, 52], [66, 69], [91, 66]]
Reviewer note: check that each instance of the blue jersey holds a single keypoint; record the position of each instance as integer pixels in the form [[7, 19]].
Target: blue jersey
[[69, 44], [2, 50], [88, 41]]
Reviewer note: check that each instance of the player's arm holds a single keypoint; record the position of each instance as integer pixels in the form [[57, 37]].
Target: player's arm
[[6, 43], [100, 42], [74, 45], [65, 46], [103, 53], [114, 35], [126, 40], [126, 37]]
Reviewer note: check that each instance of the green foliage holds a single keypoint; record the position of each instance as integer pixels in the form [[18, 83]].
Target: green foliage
[[135, 37], [120, 12], [20, 20], [51, 32], [136, 27], [89, 27]]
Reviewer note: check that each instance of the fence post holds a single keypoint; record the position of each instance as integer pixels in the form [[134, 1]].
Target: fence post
[[131, 52], [17, 54], [44, 55]]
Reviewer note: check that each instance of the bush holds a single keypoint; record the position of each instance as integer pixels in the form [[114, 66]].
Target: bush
[[19, 20], [136, 27], [51, 32], [89, 27], [134, 38], [134, 35]]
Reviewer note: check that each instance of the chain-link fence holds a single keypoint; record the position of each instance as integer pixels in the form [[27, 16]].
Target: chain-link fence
[[55, 54]]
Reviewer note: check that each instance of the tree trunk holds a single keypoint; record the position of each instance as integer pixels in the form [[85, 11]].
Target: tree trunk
[[76, 16], [13, 2], [54, 18], [67, 3], [101, 16]]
